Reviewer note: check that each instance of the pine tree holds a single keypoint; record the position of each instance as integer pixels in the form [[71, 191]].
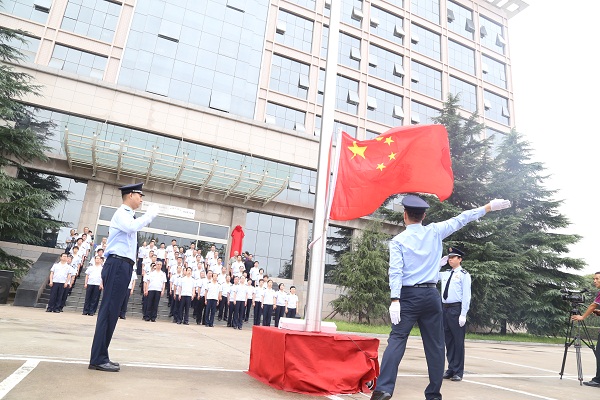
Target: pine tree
[[24, 208], [362, 272]]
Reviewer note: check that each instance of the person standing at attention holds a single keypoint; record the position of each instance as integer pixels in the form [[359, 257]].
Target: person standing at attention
[[116, 274], [414, 270], [456, 299]]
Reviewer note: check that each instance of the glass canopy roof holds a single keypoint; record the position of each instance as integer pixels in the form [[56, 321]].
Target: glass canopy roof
[[186, 165]]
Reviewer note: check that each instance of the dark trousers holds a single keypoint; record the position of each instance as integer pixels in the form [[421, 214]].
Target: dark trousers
[[116, 275], [231, 312], [152, 306], [56, 294], [238, 316], [63, 299], [597, 377], [267, 314], [223, 307], [422, 306], [257, 312], [248, 306], [454, 336], [125, 304], [92, 296], [200, 307], [291, 313], [184, 308], [211, 308], [279, 312], [174, 306]]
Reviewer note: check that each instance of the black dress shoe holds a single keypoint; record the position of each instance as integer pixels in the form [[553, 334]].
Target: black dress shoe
[[377, 395], [123, 317], [592, 383], [448, 375], [456, 378], [106, 367], [116, 364], [186, 323]]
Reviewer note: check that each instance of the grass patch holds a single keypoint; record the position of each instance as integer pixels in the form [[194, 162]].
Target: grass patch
[[345, 326]]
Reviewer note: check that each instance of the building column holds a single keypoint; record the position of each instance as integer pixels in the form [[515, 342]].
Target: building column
[[94, 197], [238, 217]]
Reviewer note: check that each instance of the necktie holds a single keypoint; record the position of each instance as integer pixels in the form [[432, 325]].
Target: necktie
[[445, 296]]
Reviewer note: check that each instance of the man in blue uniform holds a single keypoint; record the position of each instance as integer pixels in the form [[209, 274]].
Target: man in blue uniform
[[116, 273], [456, 299], [414, 268]]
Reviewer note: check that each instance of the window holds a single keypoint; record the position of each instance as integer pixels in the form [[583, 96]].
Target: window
[[289, 76], [495, 72], [388, 26], [310, 4], [286, 117], [428, 42], [351, 12], [298, 31], [35, 10], [463, 18], [422, 114], [389, 109], [492, 35], [271, 239], [388, 65], [496, 108], [97, 19], [428, 9], [347, 95], [349, 48], [429, 82], [324, 42], [29, 48], [461, 57], [467, 93], [496, 137], [299, 187], [349, 129], [78, 61]]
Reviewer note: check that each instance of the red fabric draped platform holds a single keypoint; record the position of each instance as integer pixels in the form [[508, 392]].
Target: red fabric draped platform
[[313, 363]]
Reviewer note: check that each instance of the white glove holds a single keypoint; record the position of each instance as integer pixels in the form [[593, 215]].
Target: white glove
[[153, 210], [443, 261], [499, 204], [395, 312], [462, 320]]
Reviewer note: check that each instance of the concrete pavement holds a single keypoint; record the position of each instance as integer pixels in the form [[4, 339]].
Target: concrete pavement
[[46, 354]]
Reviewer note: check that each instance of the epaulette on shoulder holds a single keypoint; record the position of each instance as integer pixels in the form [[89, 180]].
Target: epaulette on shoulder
[[464, 271]]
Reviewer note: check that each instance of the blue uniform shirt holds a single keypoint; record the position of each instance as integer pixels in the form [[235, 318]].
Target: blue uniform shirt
[[122, 233], [415, 253], [459, 290]]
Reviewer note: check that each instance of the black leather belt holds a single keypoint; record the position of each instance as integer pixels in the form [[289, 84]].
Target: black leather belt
[[423, 285], [449, 305], [127, 260]]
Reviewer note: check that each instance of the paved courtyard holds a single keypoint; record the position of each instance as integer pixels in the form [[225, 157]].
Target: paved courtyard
[[46, 354]]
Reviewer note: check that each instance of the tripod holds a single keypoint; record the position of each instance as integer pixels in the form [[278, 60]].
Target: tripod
[[574, 338]]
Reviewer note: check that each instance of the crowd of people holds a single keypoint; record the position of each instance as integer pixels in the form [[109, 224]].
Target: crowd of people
[[201, 285]]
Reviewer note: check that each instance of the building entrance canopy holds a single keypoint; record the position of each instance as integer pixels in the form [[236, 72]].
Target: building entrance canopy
[[178, 163]]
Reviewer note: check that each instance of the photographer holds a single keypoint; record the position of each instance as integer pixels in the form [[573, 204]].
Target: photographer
[[595, 382]]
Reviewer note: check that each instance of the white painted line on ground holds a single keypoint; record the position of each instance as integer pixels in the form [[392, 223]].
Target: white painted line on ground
[[13, 380], [509, 390], [334, 397], [513, 364]]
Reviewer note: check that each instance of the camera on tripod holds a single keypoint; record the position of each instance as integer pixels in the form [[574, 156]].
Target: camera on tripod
[[573, 296]]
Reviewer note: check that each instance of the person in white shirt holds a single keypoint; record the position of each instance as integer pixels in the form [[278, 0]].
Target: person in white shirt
[[142, 253], [172, 248], [93, 287], [232, 291], [174, 282], [241, 295], [224, 303], [210, 255], [280, 303], [200, 293], [70, 282], [268, 305], [131, 288], [216, 268], [235, 267], [292, 303], [154, 289], [185, 292], [190, 252], [256, 301], [161, 252], [248, 307], [60, 274], [255, 272], [212, 298]]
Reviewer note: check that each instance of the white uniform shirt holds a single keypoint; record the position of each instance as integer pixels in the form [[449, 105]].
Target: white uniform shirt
[[233, 291], [268, 297], [187, 284], [225, 288], [61, 272], [175, 282], [254, 274], [258, 293], [212, 290], [221, 278], [201, 285], [242, 292], [281, 297], [235, 268], [94, 274], [160, 253], [155, 280], [133, 279], [292, 300]]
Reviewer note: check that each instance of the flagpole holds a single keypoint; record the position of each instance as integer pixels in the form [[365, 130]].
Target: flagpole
[[316, 276]]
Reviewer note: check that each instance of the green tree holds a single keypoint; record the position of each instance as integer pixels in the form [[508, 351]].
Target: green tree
[[24, 208], [362, 272]]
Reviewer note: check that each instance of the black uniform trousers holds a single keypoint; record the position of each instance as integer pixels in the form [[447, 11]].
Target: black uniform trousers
[[248, 306], [211, 309], [238, 316], [291, 313], [152, 304], [267, 314], [200, 308], [92, 296], [231, 312], [422, 306], [257, 312], [597, 377], [223, 306], [455, 340], [116, 275], [125, 304], [184, 308], [279, 312], [56, 294]]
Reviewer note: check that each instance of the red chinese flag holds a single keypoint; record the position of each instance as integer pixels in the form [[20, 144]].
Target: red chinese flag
[[408, 159]]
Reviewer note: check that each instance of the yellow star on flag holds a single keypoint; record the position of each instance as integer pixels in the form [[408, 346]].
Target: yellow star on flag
[[389, 140], [357, 150], [379, 138], [380, 166], [392, 156]]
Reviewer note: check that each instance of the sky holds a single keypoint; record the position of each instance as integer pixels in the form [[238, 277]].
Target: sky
[[554, 52]]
